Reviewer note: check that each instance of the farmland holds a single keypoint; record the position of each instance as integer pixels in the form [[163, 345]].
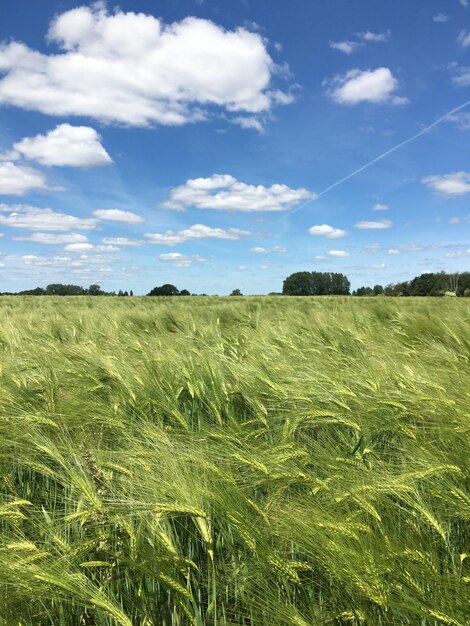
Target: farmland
[[234, 461]]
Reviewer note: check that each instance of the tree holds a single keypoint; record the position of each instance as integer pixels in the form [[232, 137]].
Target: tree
[[316, 284], [378, 290], [298, 284], [164, 290], [58, 289], [95, 290], [236, 292], [184, 292]]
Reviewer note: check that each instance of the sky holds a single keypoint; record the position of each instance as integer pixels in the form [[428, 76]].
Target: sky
[[225, 144]]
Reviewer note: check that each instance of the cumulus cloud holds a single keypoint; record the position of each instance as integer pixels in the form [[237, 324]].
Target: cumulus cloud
[[376, 86], [370, 225], [380, 207], [342, 254], [17, 180], [222, 192], [116, 215], [181, 260], [198, 231], [327, 231], [274, 249], [76, 146], [52, 238], [440, 18], [33, 218], [134, 69], [456, 184]]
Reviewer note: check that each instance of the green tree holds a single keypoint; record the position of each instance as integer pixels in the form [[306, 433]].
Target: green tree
[[95, 290], [378, 290], [316, 284], [164, 290], [236, 292], [184, 292]]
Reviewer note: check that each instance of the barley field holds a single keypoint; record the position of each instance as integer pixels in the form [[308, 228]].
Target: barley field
[[234, 461]]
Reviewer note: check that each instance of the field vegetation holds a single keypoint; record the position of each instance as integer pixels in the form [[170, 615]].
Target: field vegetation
[[234, 461]]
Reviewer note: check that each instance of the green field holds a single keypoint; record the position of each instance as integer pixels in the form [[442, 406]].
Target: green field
[[228, 461]]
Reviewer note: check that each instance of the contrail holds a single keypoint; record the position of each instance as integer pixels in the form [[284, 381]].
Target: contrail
[[382, 156]]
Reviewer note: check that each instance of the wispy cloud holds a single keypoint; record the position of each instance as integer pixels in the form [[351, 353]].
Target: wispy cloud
[[342, 254], [464, 38], [34, 218], [371, 225], [274, 249], [181, 260], [193, 233]]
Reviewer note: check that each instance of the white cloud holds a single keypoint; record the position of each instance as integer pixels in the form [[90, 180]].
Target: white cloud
[[17, 180], [274, 249], [198, 231], [378, 266], [51, 238], [462, 120], [377, 86], [342, 254], [440, 18], [460, 253], [250, 122], [380, 207], [392, 251], [461, 75], [122, 241], [222, 192], [348, 47], [464, 38], [136, 70], [369, 225], [88, 247], [77, 146], [181, 260], [33, 218], [374, 37], [116, 215], [327, 231], [456, 184]]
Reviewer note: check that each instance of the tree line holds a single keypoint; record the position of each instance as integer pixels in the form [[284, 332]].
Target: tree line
[[297, 284], [429, 284], [59, 289]]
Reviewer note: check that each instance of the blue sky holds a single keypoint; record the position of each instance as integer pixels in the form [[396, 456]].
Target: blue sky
[[192, 142]]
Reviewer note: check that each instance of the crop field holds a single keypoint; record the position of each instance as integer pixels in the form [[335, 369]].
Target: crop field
[[234, 461]]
